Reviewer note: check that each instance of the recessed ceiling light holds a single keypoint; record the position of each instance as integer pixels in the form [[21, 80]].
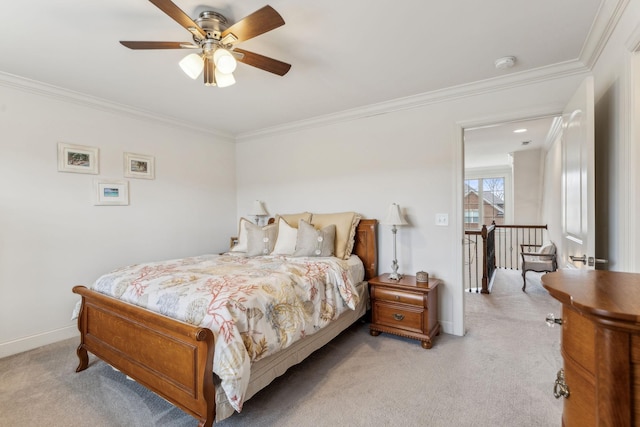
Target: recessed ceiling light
[[520, 130]]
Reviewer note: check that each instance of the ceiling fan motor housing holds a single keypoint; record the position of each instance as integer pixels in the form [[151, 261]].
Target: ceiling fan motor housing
[[212, 23]]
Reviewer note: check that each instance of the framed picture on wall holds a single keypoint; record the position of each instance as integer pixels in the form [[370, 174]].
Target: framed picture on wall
[[139, 166], [77, 158], [111, 193]]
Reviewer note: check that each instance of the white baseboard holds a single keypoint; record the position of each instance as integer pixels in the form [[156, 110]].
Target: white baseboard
[[29, 343], [447, 327]]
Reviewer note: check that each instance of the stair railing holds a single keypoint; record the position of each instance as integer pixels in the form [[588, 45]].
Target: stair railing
[[496, 246]]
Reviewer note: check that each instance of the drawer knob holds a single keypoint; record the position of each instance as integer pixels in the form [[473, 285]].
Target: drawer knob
[[560, 388], [552, 320], [398, 316], [397, 297]]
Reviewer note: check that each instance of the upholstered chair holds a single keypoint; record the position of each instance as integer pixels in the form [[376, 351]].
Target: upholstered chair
[[543, 260]]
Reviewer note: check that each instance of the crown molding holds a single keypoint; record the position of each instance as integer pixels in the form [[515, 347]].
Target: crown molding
[[552, 72], [554, 131], [633, 42], [605, 22], [66, 95]]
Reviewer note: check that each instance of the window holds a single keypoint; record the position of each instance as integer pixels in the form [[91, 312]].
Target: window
[[471, 215], [484, 201]]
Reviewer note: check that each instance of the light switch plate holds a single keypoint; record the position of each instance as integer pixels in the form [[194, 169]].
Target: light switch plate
[[442, 219]]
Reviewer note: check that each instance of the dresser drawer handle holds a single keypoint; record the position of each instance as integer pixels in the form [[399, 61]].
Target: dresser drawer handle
[[560, 388], [398, 316], [397, 297]]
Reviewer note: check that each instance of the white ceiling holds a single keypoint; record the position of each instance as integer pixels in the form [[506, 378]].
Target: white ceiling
[[344, 54], [490, 146]]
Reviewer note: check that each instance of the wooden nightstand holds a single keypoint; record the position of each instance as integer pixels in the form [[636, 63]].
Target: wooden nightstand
[[404, 307]]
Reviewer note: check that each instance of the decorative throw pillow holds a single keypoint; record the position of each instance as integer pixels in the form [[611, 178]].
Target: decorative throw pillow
[[548, 248], [312, 242], [286, 240], [241, 246], [293, 219], [260, 240], [346, 224]]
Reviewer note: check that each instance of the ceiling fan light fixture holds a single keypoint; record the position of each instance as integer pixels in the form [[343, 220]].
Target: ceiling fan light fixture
[[224, 79], [224, 60], [192, 65], [209, 76], [216, 41]]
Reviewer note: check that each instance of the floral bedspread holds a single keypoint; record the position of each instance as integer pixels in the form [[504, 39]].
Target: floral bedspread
[[255, 306]]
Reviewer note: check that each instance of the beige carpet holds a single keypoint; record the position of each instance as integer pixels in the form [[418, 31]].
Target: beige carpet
[[500, 374]]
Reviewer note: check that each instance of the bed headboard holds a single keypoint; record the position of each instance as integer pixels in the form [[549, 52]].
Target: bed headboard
[[365, 247]]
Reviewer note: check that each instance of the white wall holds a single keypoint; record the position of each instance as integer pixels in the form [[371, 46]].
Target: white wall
[[527, 186], [52, 237], [412, 157]]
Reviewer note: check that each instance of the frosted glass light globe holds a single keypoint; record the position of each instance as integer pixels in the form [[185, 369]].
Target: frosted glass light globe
[[192, 65], [224, 61]]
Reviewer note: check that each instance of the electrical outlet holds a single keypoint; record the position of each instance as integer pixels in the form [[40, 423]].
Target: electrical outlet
[[442, 219]]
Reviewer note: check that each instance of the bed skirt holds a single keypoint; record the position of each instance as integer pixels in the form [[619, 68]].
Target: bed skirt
[[264, 371]]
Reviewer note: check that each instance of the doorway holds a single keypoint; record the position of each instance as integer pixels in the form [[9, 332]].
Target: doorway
[[505, 168]]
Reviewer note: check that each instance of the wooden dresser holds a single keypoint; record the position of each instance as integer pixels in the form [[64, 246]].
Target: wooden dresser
[[600, 383], [405, 307]]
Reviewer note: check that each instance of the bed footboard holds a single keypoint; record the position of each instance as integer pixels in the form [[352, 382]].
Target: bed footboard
[[171, 358]]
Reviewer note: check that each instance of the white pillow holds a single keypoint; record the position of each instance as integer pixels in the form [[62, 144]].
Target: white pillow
[[241, 246], [294, 219], [286, 241], [548, 248]]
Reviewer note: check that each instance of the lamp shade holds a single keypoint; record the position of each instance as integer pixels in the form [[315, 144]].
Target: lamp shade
[[224, 80], [224, 60], [257, 209], [394, 216], [192, 65]]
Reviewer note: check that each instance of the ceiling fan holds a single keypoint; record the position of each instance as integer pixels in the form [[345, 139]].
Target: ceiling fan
[[217, 41]]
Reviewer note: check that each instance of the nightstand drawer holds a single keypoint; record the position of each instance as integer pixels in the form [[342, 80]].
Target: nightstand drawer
[[396, 316], [398, 296], [404, 307]]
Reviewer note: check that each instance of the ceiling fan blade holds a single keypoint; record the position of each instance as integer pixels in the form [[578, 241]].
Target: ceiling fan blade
[[156, 45], [259, 22], [264, 63], [174, 12]]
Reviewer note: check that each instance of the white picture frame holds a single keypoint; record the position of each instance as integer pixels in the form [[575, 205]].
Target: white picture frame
[[111, 193], [139, 166], [78, 158]]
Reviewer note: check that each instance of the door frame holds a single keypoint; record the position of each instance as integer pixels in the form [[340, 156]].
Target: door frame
[[458, 148]]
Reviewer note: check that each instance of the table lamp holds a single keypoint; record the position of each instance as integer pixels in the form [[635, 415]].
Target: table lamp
[[394, 218]]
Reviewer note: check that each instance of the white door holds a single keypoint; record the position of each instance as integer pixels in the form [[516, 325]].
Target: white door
[[578, 246]]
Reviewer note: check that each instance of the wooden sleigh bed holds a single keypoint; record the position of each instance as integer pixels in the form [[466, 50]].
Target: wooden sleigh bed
[[175, 359]]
